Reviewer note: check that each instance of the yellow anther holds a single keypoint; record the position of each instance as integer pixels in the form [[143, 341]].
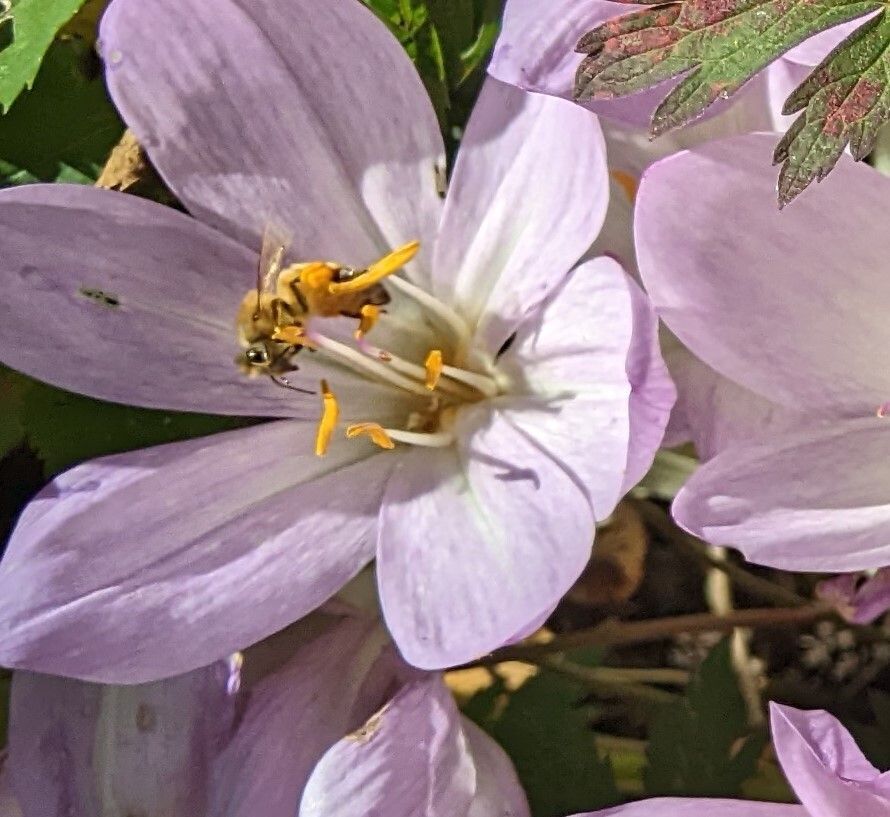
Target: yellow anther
[[370, 316], [627, 183], [376, 432], [378, 271], [433, 366], [329, 415]]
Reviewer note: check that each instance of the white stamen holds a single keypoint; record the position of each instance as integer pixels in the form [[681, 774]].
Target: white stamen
[[441, 310], [435, 439], [480, 382]]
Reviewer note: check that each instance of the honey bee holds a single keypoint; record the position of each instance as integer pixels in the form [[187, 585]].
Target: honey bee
[[286, 296]]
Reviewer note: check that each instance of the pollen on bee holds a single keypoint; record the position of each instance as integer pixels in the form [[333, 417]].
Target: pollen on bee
[[374, 431], [330, 414]]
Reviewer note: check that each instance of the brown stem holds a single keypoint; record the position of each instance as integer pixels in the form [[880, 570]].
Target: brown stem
[[617, 633]]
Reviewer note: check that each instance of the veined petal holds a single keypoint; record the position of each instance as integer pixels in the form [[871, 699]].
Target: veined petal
[[816, 499], [498, 791], [825, 767], [536, 52], [120, 298], [476, 542], [766, 311], [146, 564], [574, 363], [79, 749], [717, 413], [700, 807], [298, 711], [516, 222], [409, 759], [305, 115], [9, 804]]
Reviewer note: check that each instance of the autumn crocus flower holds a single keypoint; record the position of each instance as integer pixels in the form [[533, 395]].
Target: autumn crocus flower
[[794, 319], [320, 720], [549, 401], [827, 770]]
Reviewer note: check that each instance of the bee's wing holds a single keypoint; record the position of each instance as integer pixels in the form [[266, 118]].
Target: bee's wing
[[393, 261], [276, 240]]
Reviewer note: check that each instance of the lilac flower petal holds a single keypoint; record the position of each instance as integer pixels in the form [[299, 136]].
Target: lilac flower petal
[[9, 804], [725, 295], [514, 224], [168, 339], [411, 758], [536, 52], [468, 552], [227, 539], [79, 749], [859, 599], [302, 114], [812, 500], [498, 791], [575, 358], [815, 49], [704, 807], [825, 767], [294, 715], [718, 413]]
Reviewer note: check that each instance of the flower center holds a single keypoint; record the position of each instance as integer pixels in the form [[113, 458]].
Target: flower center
[[286, 312]]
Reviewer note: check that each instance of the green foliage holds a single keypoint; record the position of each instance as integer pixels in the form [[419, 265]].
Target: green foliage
[[449, 41], [64, 428], [27, 32], [64, 128], [544, 728], [720, 44], [845, 101], [702, 747]]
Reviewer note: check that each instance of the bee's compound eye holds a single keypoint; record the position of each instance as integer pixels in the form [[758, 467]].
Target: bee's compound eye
[[257, 356]]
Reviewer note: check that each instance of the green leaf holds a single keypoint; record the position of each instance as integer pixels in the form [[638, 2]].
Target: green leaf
[[64, 128], [720, 43], [702, 747], [64, 428], [845, 101], [34, 25], [544, 728]]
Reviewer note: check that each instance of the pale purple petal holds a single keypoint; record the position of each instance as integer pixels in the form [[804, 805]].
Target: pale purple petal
[[169, 340], [815, 49], [536, 52], [79, 749], [859, 599], [815, 499], [825, 767], [409, 759], [298, 711], [574, 362], [705, 807], [146, 564], [717, 413], [469, 553], [516, 222], [304, 114], [766, 312], [9, 805], [498, 792]]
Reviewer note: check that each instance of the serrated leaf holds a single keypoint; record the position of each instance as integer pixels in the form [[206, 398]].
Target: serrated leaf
[[64, 128], [544, 728], [34, 25], [846, 101], [718, 44], [702, 746]]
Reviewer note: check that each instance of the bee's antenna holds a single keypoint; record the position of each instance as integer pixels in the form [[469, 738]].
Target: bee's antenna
[[278, 380]]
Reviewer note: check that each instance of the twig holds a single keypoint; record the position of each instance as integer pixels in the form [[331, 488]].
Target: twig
[[614, 633], [764, 589], [604, 685]]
